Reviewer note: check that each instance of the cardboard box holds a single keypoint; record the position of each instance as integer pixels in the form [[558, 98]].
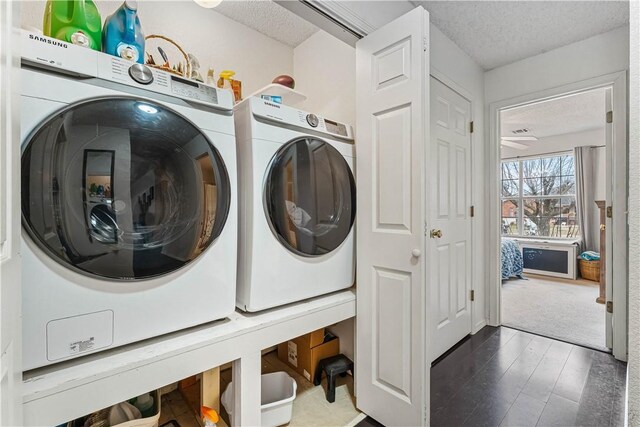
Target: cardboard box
[[303, 353]]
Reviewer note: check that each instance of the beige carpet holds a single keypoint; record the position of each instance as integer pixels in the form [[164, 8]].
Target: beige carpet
[[556, 308]]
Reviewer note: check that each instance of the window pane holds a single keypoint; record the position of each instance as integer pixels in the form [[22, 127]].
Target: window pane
[[532, 211], [568, 185], [551, 207], [552, 217], [569, 208], [568, 168], [510, 188], [532, 187], [532, 168], [551, 185], [551, 166], [569, 212], [510, 170], [510, 217]]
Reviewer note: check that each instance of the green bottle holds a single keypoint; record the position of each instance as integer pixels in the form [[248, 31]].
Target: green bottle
[[74, 21]]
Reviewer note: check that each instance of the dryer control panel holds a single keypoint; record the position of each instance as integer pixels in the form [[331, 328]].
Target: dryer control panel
[[298, 118]]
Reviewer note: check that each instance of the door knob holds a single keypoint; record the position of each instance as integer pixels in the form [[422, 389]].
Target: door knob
[[436, 233], [416, 253]]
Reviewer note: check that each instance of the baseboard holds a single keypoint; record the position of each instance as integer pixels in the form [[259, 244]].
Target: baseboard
[[356, 420], [481, 324]]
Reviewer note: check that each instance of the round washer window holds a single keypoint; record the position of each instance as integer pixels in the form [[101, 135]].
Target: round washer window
[[310, 197], [122, 189]]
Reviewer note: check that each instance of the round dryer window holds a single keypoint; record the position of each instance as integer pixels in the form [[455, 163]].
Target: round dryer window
[[122, 189], [310, 197]]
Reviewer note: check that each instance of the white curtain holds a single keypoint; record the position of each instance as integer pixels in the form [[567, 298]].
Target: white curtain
[[585, 196]]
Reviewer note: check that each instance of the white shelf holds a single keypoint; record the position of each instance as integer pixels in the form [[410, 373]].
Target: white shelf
[[65, 391], [289, 96]]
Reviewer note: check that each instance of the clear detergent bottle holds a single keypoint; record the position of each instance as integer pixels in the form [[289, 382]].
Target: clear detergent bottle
[[122, 34], [74, 21]]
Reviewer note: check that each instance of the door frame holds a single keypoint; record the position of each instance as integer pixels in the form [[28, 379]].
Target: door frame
[[618, 83], [476, 244]]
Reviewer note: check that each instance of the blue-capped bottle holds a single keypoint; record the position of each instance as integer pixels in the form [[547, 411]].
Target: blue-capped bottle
[[122, 34]]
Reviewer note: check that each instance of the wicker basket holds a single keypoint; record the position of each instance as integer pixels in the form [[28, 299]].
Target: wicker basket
[[590, 270], [186, 72]]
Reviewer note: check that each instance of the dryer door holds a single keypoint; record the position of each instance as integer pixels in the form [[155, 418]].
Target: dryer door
[[310, 197], [122, 189]]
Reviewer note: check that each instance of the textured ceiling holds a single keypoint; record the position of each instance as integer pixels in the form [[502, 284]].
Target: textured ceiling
[[496, 33], [269, 19], [575, 113]]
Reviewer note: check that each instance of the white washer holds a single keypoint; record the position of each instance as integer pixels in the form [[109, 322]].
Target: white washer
[[129, 202], [296, 203]]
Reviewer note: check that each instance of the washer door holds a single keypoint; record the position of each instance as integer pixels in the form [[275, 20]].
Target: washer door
[[122, 189], [310, 197]]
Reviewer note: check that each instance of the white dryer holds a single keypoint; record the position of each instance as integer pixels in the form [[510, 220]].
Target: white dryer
[[297, 200], [129, 202]]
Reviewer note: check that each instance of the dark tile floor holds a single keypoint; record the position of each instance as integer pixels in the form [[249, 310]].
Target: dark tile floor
[[504, 377]]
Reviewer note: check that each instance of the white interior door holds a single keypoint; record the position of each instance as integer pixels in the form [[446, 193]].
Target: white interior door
[[449, 243], [608, 264], [616, 223], [10, 296], [392, 92]]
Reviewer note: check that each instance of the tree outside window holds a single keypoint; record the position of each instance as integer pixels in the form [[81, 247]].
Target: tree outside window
[[538, 197]]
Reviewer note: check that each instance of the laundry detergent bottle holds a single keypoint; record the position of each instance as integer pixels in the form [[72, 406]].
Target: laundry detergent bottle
[[122, 34], [74, 21]]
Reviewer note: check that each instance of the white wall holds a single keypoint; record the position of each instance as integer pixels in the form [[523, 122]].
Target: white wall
[[214, 39], [596, 56], [449, 60], [633, 390], [325, 70], [346, 331]]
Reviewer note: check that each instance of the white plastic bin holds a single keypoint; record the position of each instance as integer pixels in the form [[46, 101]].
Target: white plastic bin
[[278, 391]]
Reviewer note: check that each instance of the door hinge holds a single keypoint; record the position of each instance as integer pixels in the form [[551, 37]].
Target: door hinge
[[609, 306], [609, 116], [473, 211], [471, 127], [609, 211], [473, 295]]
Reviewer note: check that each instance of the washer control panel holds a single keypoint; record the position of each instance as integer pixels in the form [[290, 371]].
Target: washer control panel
[[193, 90], [148, 78]]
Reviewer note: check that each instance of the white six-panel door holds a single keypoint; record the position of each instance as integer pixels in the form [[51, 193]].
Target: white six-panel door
[[449, 239], [392, 93]]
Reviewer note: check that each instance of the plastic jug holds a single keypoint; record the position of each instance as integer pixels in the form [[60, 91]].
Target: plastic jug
[[74, 21], [122, 34]]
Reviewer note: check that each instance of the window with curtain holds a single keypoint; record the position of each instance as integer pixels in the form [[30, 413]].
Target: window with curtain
[[539, 197]]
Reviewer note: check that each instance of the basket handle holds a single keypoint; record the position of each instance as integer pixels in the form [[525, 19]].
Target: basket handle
[[158, 36]]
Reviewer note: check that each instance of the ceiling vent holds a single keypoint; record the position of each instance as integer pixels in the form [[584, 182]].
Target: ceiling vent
[[521, 131]]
